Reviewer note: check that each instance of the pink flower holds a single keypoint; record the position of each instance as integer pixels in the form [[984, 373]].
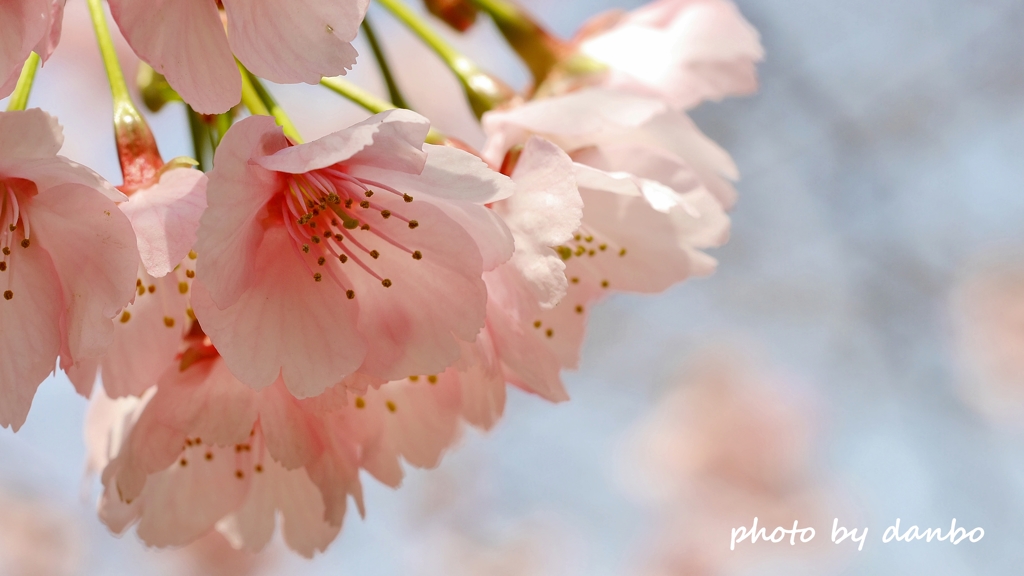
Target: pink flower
[[26, 26], [203, 447], [653, 187], [204, 451], [683, 51], [68, 261], [543, 212], [362, 251], [284, 41]]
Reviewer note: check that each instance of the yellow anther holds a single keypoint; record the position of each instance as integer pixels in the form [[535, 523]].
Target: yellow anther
[[564, 252], [432, 379], [125, 316], [622, 252], [168, 321], [604, 283], [192, 255], [142, 290], [574, 280], [183, 462], [191, 315], [549, 332], [603, 247], [183, 287], [360, 403], [537, 324], [391, 406], [579, 309], [414, 378]]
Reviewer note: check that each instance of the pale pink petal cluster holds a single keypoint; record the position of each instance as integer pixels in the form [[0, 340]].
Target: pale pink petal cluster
[[683, 51], [26, 26], [285, 41], [68, 260]]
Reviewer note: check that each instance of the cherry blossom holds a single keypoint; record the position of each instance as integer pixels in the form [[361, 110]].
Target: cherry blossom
[[26, 26], [654, 190], [283, 41], [202, 451], [362, 251], [683, 51], [68, 264]]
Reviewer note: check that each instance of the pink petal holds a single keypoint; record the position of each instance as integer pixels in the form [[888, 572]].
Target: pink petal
[[230, 229], [286, 324], [290, 41], [145, 342], [521, 345], [92, 247], [29, 330], [29, 134], [185, 41], [165, 218], [182, 503], [481, 381], [545, 212], [22, 24], [458, 184], [303, 513], [414, 326], [391, 140]]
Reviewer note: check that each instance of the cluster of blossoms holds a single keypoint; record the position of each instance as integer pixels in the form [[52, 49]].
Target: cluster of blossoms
[[267, 328]]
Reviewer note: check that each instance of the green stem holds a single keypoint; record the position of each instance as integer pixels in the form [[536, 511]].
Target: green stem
[[540, 50], [136, 146], [483, 91], [118, 86], [19, 99], [260, 102], [357, 95], [200, 137], [382, 62]]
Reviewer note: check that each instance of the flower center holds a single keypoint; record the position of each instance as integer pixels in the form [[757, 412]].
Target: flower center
[[331, 215], [15, 231]]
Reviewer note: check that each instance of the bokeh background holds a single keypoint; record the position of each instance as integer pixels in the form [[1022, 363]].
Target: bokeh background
[[859, 354]]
